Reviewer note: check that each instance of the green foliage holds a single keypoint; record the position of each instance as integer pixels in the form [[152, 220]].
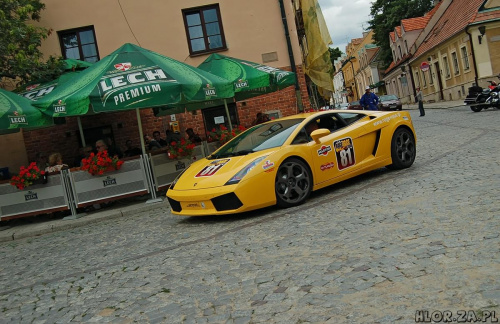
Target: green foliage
[[387, 14], [335, 53], [20, 58]]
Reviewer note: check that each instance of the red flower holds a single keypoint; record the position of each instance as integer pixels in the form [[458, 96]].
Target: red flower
[[100, 163], [223, 135], [181, 149], [26, 176]]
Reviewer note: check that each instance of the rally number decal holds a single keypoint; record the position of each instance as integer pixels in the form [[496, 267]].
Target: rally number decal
[[212, 168], [344, 151]]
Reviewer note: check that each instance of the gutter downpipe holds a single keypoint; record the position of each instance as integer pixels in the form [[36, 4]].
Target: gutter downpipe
[[354, 78], [473, 54], [290, 55]]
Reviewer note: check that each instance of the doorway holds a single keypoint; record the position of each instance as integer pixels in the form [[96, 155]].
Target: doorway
[[440, 82], [216, 116]]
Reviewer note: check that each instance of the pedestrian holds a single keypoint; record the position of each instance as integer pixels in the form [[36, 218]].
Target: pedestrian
[[420, 100], [369, 101]]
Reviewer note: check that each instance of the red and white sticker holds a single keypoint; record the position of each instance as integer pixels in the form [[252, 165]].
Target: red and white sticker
[[344, 151], [123, 66], [327, 166], [268, 164], [324, 150], [212, 168]]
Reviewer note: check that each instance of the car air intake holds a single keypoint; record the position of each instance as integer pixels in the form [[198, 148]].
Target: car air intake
[[174, 204], [226, 202]]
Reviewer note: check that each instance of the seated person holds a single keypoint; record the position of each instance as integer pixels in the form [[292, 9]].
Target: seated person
[[55, 163], [328, 122], [192, 136], [152, 145], [161, 141], [131, 150], [304, 136]]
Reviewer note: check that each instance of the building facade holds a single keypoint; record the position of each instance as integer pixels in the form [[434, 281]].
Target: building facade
[[186, 31]]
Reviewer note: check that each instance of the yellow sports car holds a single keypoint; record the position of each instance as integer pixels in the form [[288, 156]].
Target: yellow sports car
[[282, 161]]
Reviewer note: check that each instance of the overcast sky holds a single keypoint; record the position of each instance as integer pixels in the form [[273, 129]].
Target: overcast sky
[[345, 19]]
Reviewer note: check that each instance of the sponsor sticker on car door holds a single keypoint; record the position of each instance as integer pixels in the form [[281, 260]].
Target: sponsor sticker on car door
[[344, 151]]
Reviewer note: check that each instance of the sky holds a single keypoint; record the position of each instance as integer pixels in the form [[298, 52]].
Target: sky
[[346, 19]]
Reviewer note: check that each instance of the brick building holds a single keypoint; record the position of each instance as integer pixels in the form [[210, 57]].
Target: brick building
[[188, 32]]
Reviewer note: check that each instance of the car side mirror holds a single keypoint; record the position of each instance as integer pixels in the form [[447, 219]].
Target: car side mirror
[[319, 133]]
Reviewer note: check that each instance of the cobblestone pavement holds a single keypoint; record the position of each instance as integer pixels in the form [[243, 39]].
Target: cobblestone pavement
[[374, 249]]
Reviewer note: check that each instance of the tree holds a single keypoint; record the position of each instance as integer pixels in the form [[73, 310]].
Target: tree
[[387, 14], [20, 57], [335, 53]]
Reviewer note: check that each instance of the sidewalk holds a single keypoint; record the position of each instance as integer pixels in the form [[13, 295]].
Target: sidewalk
[[20, 228], [435, 105], [42, 224]]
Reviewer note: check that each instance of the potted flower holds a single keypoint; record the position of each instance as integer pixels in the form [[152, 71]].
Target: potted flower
[[98, 164], [223, 135], [180, 149], [27, 176]]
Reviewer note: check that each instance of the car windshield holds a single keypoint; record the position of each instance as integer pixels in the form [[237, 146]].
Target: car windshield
[[258, 138], [388, 97]]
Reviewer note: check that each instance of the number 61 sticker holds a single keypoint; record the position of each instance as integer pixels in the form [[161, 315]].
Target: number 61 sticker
[[344, 151]]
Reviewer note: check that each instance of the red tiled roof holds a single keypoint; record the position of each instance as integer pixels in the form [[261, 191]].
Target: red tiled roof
[[487, 15], [391, 35], [390, 67], [398, 30], [458, 14], [411, 24]]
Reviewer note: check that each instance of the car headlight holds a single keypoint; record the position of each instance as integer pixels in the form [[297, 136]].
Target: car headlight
[[177, 178], [243, 172]]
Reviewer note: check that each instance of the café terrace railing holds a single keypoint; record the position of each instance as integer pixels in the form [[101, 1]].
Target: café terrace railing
[[73, 189]]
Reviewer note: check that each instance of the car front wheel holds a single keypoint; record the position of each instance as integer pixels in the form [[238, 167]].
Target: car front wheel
[[403, 149], [293, 183]]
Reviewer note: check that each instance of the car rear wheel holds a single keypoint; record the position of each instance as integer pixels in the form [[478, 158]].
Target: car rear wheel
[[293, 183], [403, 149]]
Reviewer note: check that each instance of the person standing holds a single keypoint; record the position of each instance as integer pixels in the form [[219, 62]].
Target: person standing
[[369, 101], [420, 99]]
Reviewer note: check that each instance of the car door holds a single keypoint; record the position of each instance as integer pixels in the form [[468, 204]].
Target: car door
[[346, 149]]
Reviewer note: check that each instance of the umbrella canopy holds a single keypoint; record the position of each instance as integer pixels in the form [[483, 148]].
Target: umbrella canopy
[[249, 79], [17, 112], [130, 78]]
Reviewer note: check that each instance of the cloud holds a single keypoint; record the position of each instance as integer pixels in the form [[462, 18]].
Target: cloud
[[345, 19]]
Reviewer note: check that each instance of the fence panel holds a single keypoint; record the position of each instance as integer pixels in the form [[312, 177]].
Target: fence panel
[[130, 180], [36, 199]]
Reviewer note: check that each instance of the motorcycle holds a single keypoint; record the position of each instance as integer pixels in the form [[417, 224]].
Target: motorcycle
[[479, 98]]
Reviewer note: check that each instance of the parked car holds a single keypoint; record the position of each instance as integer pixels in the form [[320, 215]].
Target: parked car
[[282, 161], [354, 105], [390, 102], [342, 106]]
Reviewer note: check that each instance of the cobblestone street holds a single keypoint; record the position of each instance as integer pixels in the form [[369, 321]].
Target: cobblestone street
[[375, 249]]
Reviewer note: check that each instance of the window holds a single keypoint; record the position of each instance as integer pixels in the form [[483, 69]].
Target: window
[[204, 29], [465, 57], [446, 66], [424, 81], [79, 44], [417, 78], [407, 49], [455, 62]]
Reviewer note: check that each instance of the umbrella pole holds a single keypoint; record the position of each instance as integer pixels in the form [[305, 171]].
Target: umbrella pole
[[228, 116], [141, 136], [80, 128]]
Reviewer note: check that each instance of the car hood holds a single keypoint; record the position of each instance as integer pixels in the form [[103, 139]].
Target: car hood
[[206, 173]]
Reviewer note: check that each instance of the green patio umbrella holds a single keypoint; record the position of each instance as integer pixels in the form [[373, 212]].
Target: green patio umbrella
[[17, 112], [133, 77], [250, 79]]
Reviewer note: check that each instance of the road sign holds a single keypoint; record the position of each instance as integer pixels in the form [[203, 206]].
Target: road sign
[[424, 66]]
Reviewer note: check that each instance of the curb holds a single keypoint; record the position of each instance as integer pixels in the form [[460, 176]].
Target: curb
[[31, 230]]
